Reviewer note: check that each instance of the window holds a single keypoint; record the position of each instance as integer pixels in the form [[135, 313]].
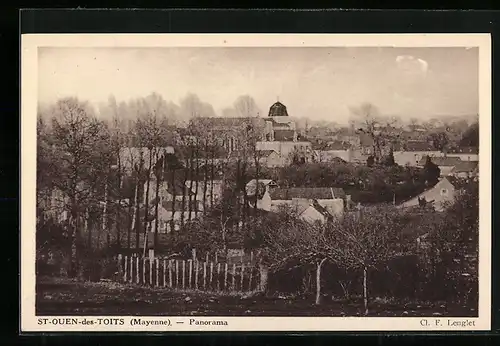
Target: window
[[444, 192]]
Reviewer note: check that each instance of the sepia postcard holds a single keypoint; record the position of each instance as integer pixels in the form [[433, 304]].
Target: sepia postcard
[[299, 182]]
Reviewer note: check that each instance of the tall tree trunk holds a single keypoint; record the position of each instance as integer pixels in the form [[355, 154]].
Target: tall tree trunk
[[205, 180], [129, 220], [244, 193], [365, 289], [89, 231], [238, 201], [105, 211], [118, 206], [135, 216], [146, 202], [196, 183], [318, 281], [191, 174], [158, 181], [257, 172], [212, 172], [174, 196], [184, 188]]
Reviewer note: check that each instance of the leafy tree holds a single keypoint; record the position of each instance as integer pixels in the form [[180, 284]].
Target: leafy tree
[[389, 159], [370, 161], [431, 172], [439, 140], [470, 138]]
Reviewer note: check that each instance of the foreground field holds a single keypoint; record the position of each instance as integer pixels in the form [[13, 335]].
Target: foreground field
[[67, 297]]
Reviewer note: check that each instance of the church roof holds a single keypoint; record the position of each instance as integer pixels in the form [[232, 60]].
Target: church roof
[[278, 110]]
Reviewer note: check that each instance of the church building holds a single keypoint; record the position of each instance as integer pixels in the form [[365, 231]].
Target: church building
[[281, 136]]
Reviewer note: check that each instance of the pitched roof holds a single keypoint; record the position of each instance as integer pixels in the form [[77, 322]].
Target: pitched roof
[[418, 146], [300, 205], [223, 122], [442, 161], [321, 209], [263, 181], [465, 167], [302, 192], [252, 183], [442, 181], [284, 135], [264, 153], [339, 192], [464, 150]]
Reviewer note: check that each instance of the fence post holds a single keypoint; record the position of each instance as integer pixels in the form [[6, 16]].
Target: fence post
[[263, 278], [125, 264], [143, 270], [225, 276], [120, 265], [164, 272], [204, 275], [218, 276], [131, 278], [234, 277], [210, 281], [157, 270], [196, 269], [170, 264], [183, 274], [190, 262], [151, 271], [137, 274], [252, 268], [176, 273], [242, 276], [193, 253]]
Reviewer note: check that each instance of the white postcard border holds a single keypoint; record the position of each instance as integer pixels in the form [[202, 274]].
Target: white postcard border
[[29, 75]]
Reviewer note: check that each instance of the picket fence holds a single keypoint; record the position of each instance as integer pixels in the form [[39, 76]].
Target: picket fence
[[192, 274]]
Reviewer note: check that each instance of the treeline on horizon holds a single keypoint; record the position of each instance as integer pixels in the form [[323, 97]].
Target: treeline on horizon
[[179, 113]]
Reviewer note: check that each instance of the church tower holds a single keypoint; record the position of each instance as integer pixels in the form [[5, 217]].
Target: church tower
[[279, 126]]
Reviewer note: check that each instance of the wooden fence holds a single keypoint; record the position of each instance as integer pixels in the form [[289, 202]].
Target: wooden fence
[[192, 274]]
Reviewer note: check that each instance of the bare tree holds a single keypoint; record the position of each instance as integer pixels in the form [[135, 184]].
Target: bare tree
[[246, 106], [80, 161], [382, 131], [364, 240]]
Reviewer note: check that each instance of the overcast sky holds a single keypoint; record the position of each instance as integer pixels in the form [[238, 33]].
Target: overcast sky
[[318, 83]]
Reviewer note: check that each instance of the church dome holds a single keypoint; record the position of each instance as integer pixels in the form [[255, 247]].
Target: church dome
[[278, 110]]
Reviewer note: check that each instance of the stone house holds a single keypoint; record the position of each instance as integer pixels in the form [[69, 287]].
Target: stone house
[[464, 153], [445, 163], [438, 196]]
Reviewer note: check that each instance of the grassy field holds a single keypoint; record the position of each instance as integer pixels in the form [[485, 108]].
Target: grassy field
[[57, 296]]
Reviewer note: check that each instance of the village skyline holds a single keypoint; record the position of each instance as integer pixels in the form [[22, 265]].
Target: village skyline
[[407, 83]]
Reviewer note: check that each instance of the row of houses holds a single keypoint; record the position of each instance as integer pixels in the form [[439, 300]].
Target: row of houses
[[459, 162]]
